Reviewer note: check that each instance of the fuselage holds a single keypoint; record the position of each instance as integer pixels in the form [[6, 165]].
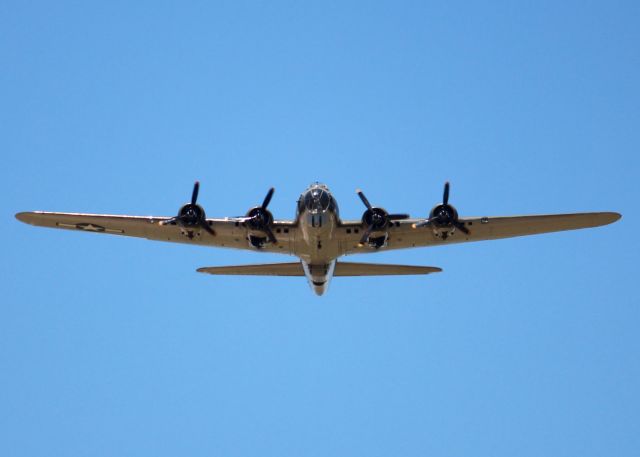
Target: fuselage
[[318, 218]]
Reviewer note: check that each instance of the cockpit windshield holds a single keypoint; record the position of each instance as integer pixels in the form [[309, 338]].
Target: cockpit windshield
[[317, 199]]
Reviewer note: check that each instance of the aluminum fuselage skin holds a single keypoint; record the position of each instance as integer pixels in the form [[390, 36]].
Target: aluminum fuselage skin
[[318, 246]]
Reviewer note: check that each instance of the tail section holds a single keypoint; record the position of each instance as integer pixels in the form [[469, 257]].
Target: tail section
[[341, 269], [319, 276], [267, 269], [377, 269]]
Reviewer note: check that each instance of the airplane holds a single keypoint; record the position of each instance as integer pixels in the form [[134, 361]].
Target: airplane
[[317, 235]]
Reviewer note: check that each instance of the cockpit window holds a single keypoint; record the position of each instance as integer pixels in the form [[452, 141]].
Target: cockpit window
[[317, 200]]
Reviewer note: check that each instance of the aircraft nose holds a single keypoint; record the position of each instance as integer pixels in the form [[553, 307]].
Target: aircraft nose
[[317, 200]]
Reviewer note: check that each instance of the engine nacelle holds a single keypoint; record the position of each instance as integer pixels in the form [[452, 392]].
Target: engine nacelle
[[443, 219], [191, 215], [378, 241], [259, 221], [443, 214], [376, 218], [259, 218], [257, 241], [377, 221]]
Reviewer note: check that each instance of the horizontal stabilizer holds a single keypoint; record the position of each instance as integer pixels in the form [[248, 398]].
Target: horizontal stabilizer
[[267, 269], [342, 269], [378, 269]]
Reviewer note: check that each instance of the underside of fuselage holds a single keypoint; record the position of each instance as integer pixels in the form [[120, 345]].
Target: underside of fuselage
[[317, 220]]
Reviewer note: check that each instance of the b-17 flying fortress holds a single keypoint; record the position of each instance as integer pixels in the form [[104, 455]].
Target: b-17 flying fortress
[[317, 235]]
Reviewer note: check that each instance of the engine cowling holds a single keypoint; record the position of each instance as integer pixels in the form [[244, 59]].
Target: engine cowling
[[443, 218], [443, 215], [259, 221], [258, 218], [191, 215], [376, 219]]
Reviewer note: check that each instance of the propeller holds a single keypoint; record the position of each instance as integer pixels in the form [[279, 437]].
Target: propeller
[[376, 218], [191, 214], [259, 218], [444, 214], [194, 194], [445, 195]]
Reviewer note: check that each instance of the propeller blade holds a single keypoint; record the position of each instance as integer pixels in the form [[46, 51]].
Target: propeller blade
[[445, 197], [267, 199], [270, 235], [460, 226], [365, 235], [194, 195], [205, 225], [422, 223], [398, 217], [364, 199]]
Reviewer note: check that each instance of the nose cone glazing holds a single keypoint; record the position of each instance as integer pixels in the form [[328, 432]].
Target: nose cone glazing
[[317, 200]]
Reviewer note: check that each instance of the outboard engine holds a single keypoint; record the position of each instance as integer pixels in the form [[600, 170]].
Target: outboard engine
[[191, 215], [443, 218]]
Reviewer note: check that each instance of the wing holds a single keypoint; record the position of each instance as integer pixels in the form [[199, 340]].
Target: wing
[[229, 233], [403, 235]]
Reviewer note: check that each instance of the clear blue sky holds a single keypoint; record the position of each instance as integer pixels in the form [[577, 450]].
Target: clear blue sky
[[112, 346]]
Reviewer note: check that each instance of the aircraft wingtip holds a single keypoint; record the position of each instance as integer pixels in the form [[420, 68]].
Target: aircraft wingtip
[[23, 216], [609, 217]]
